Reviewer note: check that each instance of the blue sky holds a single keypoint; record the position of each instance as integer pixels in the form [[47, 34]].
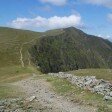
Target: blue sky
[[92, 16]]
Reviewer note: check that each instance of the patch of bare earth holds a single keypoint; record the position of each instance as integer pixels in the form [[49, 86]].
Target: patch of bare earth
[[41, 93]]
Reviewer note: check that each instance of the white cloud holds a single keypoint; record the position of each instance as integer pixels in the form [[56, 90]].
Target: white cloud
[[109, 16], [55, 2], [41, 23], [106, 3], [105, 37]]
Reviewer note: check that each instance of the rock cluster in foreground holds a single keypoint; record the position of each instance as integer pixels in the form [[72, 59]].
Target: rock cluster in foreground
[[17, 105], [101, 86]]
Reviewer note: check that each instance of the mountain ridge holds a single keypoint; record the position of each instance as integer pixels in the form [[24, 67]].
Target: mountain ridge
[[11, 41], [72, 49]]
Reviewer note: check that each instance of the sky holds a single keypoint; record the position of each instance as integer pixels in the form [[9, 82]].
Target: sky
[[92, 16]]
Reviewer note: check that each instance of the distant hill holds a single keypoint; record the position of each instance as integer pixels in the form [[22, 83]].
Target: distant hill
[[71, 49]]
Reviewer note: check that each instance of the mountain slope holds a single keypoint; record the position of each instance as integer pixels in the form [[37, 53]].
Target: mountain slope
[[72, 49], [14, 45]]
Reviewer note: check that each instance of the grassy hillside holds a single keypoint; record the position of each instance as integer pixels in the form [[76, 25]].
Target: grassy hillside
[[14, 45], [11, 41], [70, 50]]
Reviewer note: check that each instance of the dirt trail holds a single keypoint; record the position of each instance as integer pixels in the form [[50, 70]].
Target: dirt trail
[[41, 89], [21, 48]]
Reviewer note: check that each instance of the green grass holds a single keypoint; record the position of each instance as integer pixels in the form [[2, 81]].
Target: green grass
[[10, 44], [104, 108], [12, 74], [7, 91], [99, 73], [11, 41], [60, 86]]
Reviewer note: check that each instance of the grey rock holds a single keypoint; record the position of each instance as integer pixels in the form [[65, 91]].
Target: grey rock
[[88, 82], [30, 99], [110, 94], [1, 107], [107, 98]]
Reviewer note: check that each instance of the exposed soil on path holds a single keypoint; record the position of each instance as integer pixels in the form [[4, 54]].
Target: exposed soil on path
[[46, 99]]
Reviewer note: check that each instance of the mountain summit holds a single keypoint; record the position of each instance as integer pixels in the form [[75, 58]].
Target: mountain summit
[[72, 49]]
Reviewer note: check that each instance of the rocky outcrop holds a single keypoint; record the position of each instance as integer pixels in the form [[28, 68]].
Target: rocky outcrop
[[89, 83]]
